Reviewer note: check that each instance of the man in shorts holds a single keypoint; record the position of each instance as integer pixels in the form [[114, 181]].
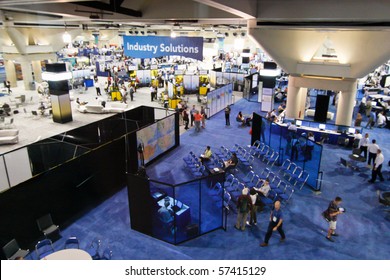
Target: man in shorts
[[331, 214]]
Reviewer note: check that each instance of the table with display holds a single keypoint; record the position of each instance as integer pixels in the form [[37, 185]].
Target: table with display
[[333, 136], [69, 254], [182, 216]]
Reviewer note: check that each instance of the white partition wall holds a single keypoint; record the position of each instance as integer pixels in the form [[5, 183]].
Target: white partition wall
[[18, 166], [4, 185]]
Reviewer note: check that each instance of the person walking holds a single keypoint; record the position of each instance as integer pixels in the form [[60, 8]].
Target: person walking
[[363, 145], [372, 151], [253, 214], [377, 169], [197, 120], [275, 224], [227, 115], [151, 93], [192, 115], [244, 205], [97, 86], [203, 113], [186, 119], [330, 215], [131, 91]]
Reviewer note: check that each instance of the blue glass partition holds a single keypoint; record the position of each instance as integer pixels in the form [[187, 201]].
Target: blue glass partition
[[180, 212]]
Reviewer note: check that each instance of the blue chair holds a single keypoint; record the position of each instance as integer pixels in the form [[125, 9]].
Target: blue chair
[[290, 170], [216, 190], [279, 188], [254, 182], [249, 161], [249, 177], [107, 254], [94, 249], [259, 149], [286, 195], [229, 179], [226, 200], [235, 194], [199, 172], [72, 242], [264, 152], [285, 166], [296, 174], [233, 185], [235, 148], [271, 177], [264, 174], [269, 155], [44, 248], [302, 179], [269, 201], [274, 159]]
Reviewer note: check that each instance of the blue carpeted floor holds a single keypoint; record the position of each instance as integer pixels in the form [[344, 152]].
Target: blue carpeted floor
[[364, 230]]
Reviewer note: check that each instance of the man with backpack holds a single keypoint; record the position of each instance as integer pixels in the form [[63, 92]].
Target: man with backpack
[[244, 205]]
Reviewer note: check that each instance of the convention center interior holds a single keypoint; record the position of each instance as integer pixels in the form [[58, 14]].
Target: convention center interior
[[194, 130]]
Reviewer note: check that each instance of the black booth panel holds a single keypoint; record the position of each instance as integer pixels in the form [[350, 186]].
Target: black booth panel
[[322, 105], [269, 65], [66, 192], [256, 128], [140, 203], [245, 60]]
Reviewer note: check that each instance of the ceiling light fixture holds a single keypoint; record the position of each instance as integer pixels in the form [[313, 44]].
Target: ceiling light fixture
[[173, 34]]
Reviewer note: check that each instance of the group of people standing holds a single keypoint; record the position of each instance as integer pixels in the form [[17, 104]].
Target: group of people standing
[[195, 116], [374, 153]]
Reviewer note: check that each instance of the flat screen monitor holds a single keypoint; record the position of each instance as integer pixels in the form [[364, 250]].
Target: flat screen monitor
[[179, 204], [351, 130], [322, 126], [373, 103], [298, 123]]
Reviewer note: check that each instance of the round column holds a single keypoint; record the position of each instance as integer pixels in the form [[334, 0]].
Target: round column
[[345, 105], [296, 98]]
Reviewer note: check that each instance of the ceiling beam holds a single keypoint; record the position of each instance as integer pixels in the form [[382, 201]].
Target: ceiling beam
[[114, 6]]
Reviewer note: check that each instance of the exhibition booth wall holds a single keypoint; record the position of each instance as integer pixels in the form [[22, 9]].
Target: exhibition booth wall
[[68, 174]]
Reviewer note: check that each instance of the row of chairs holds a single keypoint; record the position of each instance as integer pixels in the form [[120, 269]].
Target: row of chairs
[[235, 187], [294, 173], [280, 187], [264, 152], [245, 157], [194, 164]]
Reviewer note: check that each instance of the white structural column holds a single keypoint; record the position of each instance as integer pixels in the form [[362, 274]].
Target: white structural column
[[37, 69], [296, 99], [346, 104], [27, 74], [10, 72]]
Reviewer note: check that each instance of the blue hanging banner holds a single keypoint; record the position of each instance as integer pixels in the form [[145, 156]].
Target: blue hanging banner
[[157, 46]]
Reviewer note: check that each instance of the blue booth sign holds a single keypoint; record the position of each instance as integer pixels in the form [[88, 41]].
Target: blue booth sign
[[156, 46]]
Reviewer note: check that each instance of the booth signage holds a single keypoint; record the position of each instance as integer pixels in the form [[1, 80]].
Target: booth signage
[[157, 46]]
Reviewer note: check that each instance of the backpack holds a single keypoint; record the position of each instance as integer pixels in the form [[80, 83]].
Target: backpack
[[244, 205]]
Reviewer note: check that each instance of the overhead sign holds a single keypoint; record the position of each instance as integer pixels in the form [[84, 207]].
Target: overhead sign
[[157, 46]]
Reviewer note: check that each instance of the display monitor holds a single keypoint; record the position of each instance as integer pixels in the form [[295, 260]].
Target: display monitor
[[322, 126], [298, 123], [351, 130], [373, 103]]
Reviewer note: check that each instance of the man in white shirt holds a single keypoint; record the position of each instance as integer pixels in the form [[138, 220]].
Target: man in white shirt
[[372, 151], [363, 144], [377, 170], [381, 120], [265, 188]]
